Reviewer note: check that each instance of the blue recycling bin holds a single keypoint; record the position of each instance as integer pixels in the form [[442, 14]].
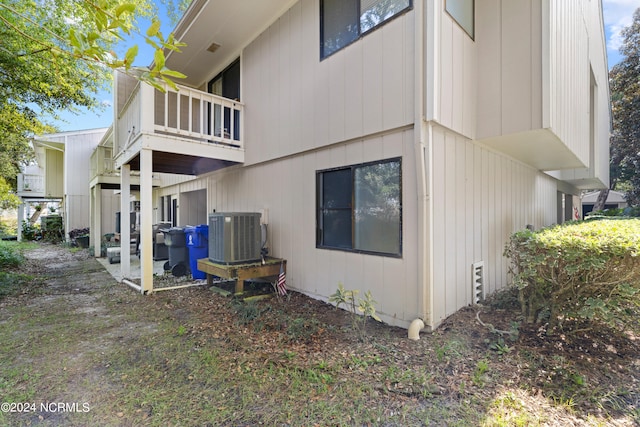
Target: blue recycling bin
[[198, 243]]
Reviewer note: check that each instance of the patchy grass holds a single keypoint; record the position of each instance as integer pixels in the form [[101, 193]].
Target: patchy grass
[[193, 357]]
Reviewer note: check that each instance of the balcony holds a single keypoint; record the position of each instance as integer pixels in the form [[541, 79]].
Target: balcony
[[30, 185], [189, 131], [103, 171]]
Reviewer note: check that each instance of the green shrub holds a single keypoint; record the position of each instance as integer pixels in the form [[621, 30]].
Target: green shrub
[[630, 211], [366, 306], [8, 227], [9, 256], [586, 270], [248, 311], [30, 231]]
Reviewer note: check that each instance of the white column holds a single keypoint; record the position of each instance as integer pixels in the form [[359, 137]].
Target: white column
[[146, 220], [125, 222], [20, 219], [96, 220]]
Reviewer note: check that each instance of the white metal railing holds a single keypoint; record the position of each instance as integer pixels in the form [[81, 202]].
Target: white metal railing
[[186, 113], [30, 182]]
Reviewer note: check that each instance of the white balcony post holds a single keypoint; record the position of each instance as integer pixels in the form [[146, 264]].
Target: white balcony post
[[146, 220], [20, 219], [96, 215], [125, 222]]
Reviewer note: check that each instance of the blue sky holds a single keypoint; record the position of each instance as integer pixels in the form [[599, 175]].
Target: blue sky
[[617, 14], [104, 117]]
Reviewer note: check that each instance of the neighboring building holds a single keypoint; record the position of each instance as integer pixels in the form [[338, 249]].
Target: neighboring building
[[615, 200], [392, 146], [59, 177]]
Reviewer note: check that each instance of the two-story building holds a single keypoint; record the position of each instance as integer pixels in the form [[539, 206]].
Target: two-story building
[[391, 145], [59, 176]]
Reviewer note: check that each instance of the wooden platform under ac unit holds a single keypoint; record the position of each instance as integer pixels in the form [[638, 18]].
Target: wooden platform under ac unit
[[241, 272]]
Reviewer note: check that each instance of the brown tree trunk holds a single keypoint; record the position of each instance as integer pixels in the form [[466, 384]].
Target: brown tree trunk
[[601, 200]]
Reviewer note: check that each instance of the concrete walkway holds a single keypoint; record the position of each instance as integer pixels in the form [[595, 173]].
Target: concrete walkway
[[135, 271]]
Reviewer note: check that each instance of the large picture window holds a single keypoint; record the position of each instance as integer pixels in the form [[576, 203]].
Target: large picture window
[[359, 208], [344, 21]]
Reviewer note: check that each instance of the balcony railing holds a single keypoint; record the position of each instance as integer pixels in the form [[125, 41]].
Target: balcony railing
[[187, 114], [30, 183], [102, 162]]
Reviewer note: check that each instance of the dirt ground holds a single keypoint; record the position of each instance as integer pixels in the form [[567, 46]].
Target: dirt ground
[[73, 335]]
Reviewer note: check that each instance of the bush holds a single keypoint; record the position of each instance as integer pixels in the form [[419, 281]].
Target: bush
[[587, 270], [8, 227], [30, 231], [631, 211], [9, 256]]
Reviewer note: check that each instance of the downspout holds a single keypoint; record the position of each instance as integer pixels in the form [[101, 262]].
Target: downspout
[[421, 148]]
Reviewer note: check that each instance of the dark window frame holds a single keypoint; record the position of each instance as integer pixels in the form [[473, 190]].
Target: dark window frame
[[225, 118], [361, 33], [320, 209]]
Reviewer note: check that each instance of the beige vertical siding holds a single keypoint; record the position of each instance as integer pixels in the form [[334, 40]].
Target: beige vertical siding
[[286, 190], [303, 114], [597, 115], [296, 102], [534, 69], [110, 205], [53, 179], [598, 56], [193, 207], [455, 77], [509, 67], [77, 152], [479, 198], [569, 75]]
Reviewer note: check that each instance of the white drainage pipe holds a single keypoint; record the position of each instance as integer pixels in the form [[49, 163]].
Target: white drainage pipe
[[132, 285], [415, 328]]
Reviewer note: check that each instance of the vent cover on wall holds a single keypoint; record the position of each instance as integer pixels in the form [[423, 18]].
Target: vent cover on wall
[[477, 281]]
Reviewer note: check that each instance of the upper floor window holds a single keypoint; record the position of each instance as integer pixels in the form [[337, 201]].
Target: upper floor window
[[344, 21], [462, 11], [227, 85]]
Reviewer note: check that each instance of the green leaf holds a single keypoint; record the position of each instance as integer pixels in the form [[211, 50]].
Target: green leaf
[[101, 21], [159, 59], [172, 73], [153, 29], [131, 54], [73, 39], [125, 8], [170, 82]]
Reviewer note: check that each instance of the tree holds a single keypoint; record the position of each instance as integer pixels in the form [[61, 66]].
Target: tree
[[175, 9], [56, 55], [8, 200], [624, 81]]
